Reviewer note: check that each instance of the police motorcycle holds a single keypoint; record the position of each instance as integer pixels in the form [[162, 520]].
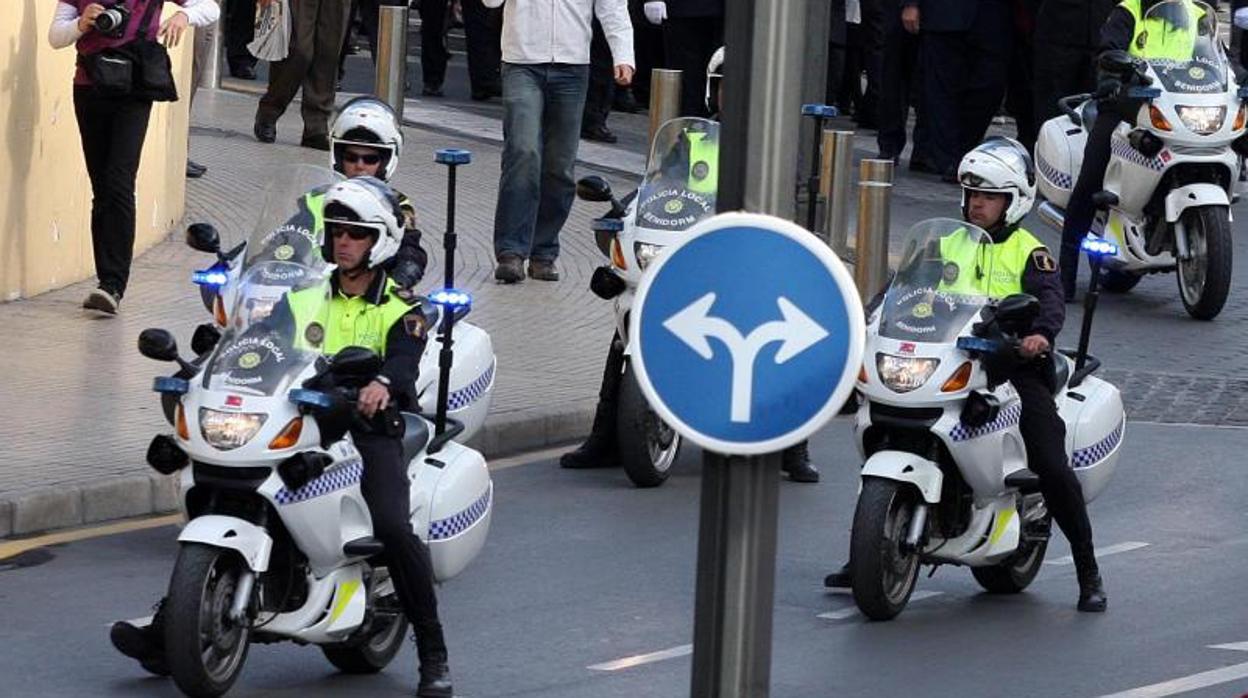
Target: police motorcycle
[[1168, 187], [677, 191], [945, 478], [278, 543], [285, 243]]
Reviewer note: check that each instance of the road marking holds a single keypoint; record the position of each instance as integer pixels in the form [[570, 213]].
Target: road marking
[[639, 659], [1101, 552], [528, 457], [1194, 682], [851, 611], [17, 547], [136, 622]]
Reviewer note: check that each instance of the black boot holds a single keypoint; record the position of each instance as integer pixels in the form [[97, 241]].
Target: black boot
[[797, 464], [599, 450], [146, 643], [435, 678], [1092, 597], [840, 579]]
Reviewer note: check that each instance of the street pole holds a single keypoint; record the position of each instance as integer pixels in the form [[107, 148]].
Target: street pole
[[210, 76], [664, 100], [871, 245], [765, 45], [392, 56]]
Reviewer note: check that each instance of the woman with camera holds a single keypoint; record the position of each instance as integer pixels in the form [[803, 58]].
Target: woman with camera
[[122, 69]]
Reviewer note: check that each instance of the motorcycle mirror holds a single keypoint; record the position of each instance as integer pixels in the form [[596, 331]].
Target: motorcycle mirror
[[593, 188], [1117, 62], [1016, 313], [203, 237], [205, 339], [356, 362], [158, 345]]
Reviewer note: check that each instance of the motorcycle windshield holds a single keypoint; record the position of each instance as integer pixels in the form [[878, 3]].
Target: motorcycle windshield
[[264, 348], [1179, 39], [682, 176], [941, 283], [290, 228]]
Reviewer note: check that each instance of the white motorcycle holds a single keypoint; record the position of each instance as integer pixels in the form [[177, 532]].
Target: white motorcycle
[[286, 241], [278, 542], [678, 190], [945, 479], [1166, 199]]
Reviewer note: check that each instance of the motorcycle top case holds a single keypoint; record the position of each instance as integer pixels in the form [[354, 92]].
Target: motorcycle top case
[[1096, 428], [452, 500], [1059, 152]]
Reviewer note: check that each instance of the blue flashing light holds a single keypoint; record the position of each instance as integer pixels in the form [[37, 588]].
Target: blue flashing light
[[609, 225], [1098, 247], [825, 110], [979, 344], [311, 398], [451, 298], [1138, 92], [209, 277], [453, 156], [171, 385]]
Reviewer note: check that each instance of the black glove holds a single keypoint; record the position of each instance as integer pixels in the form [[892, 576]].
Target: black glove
[[1108, 89], [406, 275]]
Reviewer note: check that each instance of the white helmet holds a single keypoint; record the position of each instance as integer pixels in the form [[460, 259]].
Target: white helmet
[[1002, 165], [714, 70], [365, 202], [369, 122]]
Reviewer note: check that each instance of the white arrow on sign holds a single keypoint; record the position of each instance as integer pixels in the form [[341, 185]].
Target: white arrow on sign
[[695, 326], [1183, 684]]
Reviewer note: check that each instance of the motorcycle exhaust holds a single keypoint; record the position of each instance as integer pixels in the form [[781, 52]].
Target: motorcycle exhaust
[[1052, 215]]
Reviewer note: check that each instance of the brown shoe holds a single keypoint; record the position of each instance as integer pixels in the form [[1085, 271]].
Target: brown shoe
[[543, 270], [510, 269]]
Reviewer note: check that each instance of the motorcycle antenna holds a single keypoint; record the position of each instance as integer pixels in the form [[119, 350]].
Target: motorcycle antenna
[[449, 298], [1097, 248]]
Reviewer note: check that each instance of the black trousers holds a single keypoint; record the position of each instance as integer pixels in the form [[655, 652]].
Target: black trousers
[[899, 85], [1020, 90], [1044, 434], [385, 487], [689, 43], [1060, 71], [601, 93], [870, 41], [964, 82], [112, 131], [647, 48], [483, 31], [433, 52], [240, 27]]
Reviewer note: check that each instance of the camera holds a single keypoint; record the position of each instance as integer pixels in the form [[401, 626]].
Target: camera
[[112, 22]]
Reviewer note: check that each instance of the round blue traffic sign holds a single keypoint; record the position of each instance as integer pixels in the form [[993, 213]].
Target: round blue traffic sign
[[748, 334]]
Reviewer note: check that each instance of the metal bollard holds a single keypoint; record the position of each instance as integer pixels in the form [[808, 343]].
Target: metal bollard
[[871, 267], [664, 100], [870, 170], [814, 185], [210, 76], [838, 168], [392, 56]]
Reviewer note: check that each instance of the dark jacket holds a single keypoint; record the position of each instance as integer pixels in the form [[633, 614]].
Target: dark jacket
[[1072, 22], [948, 15], [683, 9]]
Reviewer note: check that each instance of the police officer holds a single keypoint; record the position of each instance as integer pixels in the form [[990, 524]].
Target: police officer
[[1066, 39], [998, 190], [700, 160], [1122, 32], [363, 231]]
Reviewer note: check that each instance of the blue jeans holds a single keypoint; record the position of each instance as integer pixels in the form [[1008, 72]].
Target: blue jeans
[[542, 107]]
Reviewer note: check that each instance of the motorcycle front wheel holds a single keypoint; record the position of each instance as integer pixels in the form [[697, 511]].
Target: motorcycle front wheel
[[648, 447], [884, 575], [1205, 277], [204, 648]]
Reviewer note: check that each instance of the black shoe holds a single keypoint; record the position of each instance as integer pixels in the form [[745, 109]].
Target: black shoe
[[599, 133], [265, 132], [625, 101], [102, 300], [797, 464], [599, 449], [1092, 597], [435, 681], [317, 142], [430, 90], [484, 94], [143, 644], [543, 270], [243, 72], [840, 579], [510, 269], [194, 170]]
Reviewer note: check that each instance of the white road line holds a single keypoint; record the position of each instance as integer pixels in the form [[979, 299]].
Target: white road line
[[1204, 679], [851, 611], [529, 457], [1101, 552], [639, 659]]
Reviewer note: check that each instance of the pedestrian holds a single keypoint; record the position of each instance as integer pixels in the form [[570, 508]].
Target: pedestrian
[[1020, 75], [200, 59], [545, 77], [240, 29], [317, 30], [692, 31], [483, 31], [965, 53], [900, 84], [601, 93], [1066, 40], [648, 51], [838, 38], [112, 108]]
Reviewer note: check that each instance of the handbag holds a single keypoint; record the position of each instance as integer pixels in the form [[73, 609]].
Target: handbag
[[140, 69]]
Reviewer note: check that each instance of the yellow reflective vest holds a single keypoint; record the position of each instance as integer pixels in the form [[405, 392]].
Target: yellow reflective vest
[[1156, 38], [344, 321], [973, 268], [703, 163]]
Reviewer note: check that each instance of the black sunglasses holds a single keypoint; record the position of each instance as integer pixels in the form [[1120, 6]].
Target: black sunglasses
[[354, 232], [366, 158]]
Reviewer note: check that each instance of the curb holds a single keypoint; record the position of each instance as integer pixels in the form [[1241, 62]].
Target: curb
[[50, 508]]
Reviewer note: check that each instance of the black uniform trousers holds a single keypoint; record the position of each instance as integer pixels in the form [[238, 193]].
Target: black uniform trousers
[[318, 28], [601, 92], [964, 75], [386, 489], [240, 27], [1060, 71], [433, 51], [647, 49], [689, 43], [899, 84], [112, 130], [483, 31], [1044, 435]]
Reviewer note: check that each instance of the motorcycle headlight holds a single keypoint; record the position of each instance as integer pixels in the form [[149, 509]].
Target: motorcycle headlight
[[225, 431], [646, 253], [904, 373], [1202, 120]]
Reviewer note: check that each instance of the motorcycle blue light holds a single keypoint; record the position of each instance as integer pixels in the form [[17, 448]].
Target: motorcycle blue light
[[171, 385], [1098, 247], [451, 298], [209, 277], [311, 398]]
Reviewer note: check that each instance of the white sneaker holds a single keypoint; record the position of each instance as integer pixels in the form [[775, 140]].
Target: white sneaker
[[102, 301]]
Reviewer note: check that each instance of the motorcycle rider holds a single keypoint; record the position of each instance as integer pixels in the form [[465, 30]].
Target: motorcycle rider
[[697, 161], [998, 190], [1124, 30], [363, 231]]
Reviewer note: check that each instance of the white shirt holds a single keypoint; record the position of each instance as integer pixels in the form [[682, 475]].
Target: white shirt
[[559, 31], [64, 30]]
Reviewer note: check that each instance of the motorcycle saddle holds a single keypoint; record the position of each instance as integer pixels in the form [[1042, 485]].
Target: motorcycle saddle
[[415, 435]]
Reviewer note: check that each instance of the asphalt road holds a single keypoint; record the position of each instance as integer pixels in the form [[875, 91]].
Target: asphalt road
[[583, 570]]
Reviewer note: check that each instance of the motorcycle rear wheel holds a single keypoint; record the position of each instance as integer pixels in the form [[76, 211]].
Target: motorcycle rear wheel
[[1015, 573], [204, 648], [1205, 278], [648, 447], [884, 576], [372, 653], [1115, 281]]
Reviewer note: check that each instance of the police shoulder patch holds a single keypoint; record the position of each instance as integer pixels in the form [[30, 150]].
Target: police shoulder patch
[[416, 325], [1043, 260]]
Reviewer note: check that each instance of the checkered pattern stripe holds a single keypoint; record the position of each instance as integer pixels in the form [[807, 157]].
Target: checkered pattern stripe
[[1097, 452], [452, 526], [464, 397], [1008, 418], [336, 479], [1124, 150], [1054, 175]]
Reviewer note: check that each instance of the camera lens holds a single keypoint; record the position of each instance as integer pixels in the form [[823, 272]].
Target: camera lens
[[111, 22]]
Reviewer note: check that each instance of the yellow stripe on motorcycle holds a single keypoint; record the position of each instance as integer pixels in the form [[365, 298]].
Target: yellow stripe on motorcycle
[[1000, 525], [346, 591]]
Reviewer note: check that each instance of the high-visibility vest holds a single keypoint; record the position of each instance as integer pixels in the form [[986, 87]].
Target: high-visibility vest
[[343, 321], [703, 163], [1156, 38], [983, 268]]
